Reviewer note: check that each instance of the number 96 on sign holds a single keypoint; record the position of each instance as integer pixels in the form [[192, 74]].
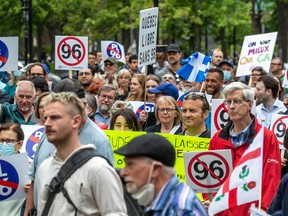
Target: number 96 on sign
[[207, 171]]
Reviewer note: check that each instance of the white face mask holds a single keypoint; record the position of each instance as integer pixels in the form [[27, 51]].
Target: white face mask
[[145, 194]]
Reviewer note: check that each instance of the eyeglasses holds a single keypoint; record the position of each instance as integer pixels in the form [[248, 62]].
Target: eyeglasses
[[108, 65], [168, 110], [37, 74], [9, 141], [236, 102], [107, 96], [86, 73], [168, 77]]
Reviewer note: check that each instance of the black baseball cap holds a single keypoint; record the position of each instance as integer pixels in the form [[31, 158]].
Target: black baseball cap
[[152, 146], [173, 48]]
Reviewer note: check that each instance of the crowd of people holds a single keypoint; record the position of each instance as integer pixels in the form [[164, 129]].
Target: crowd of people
[[75, 111]]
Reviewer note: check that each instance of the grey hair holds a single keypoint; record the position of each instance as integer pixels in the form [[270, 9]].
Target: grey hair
[[248, 93]]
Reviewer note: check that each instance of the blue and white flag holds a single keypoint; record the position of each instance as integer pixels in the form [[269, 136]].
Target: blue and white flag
[[196, 68]]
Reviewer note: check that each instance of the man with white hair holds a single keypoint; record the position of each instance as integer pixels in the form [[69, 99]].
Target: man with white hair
[[237, 135], [22, 110], [150, 178]]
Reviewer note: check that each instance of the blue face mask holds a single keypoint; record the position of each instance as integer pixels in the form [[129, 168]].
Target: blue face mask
[[227, 76], [6, 149]]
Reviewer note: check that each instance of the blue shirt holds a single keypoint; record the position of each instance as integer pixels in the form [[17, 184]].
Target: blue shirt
[[100, 118], [10, 114], [264, 115], [90, 133], [176, 198]]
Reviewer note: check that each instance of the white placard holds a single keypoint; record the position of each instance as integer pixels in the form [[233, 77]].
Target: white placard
[[138, 106], [206, 171], [278, 126], [71, 52], [8, 53], [32, 134], [147, 36], [13, 176], [113, 49], [257, 50]]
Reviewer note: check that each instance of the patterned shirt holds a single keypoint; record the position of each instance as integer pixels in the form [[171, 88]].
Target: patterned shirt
[[10, 114], [240, 138], [176, 199]]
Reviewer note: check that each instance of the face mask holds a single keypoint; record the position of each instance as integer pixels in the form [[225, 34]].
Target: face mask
[[227, 76], [145, 194], [6, 149]]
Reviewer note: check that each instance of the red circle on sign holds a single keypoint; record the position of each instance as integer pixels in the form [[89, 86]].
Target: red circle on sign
[[222, 106], [276, 123], [208, 153], [78, 61]]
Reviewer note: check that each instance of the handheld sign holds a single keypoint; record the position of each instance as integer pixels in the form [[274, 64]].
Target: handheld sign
[[138, 106], [8, 53], [113, 49], [207, 171], [278, 126], [71, 53], [32, 133], [13, 176], [257, 50], [147, 36]]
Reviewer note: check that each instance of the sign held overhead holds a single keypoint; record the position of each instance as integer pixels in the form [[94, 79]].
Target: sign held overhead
[[147, 36]]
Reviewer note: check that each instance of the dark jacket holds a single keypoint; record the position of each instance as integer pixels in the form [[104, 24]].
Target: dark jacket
[[157, 128], [4, 97], [279, 205], [205, 134]]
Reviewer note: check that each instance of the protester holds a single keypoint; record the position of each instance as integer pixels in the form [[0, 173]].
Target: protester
[[110, 69], [124, 120], [267, 100], [123, 80], [214, 83], [94, 188], [237, 135], [255, 74], [22, 110], [168, 115], [227, 67], [152, 82], [39, 108], [169, 77], [97, 82], [150, 178], [137, 86], [195, 110], [105, 99], [11, 140], [89, 133], [86, 76], [217, 57]]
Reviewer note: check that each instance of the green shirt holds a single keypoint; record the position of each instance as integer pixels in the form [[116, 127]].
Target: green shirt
[[10, 114]]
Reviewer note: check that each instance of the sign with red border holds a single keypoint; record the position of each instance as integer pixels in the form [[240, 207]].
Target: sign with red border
[[71, 52], [207, 171], [279, 125]]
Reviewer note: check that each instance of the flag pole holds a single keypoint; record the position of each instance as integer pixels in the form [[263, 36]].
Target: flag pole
[[260, 193]]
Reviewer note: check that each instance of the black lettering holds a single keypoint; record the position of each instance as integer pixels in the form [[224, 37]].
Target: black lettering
[[179, 153]]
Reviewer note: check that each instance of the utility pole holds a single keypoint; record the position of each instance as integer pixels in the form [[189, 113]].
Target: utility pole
[[28, 41]]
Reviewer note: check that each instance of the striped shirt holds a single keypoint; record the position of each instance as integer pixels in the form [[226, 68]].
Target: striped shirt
[[176, 199]]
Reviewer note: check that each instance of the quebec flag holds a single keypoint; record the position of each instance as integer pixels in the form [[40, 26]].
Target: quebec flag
[[196, 68]]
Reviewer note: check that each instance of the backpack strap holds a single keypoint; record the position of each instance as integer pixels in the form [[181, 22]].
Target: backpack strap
[[66, 170]]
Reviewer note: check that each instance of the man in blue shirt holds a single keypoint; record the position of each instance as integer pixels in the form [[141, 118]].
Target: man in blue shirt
[[150, 178]]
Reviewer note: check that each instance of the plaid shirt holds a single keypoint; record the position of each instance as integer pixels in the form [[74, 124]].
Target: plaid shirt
[[239, 139], [177, 199]]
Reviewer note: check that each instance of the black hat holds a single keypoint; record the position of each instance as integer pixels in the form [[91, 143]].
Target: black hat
[[173, 48], [70, 85], [150, 145]]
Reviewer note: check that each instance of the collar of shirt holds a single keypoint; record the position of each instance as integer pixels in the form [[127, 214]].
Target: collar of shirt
[[240, 138]]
